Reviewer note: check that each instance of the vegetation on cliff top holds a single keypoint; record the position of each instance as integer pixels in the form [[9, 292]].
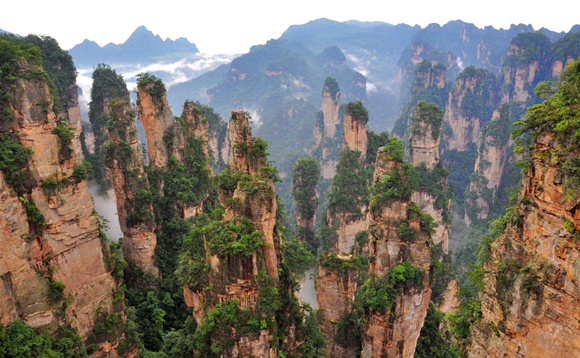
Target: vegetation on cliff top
[[558, 115]]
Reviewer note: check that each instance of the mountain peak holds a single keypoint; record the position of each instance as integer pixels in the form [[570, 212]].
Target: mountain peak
[[142, 46]]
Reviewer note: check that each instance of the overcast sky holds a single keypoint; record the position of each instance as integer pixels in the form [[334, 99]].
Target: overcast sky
[[233, 26]]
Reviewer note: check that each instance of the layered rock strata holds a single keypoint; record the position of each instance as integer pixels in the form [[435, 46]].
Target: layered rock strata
[[529, 301], [52, 250], [239, 277], [424, 148], [398, 240], [125, 165]]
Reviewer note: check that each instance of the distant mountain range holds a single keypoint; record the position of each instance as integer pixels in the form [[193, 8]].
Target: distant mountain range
[[142, 47]]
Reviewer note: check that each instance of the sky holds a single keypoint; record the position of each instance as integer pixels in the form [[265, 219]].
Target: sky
[[233, 26]]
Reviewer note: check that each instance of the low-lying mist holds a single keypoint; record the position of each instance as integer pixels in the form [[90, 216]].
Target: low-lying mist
[[106, 207]]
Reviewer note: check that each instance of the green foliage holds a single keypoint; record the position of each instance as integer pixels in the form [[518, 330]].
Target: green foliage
[[433, 342], [12, 51], [379, 294], [150, 316], [60, 69], [460, 166], [358, 111], [426, 221], [107, 87], [393, 150], [558, 114], [193, 269], [33, 58], [65, 136], [314, 345], [442, 272], [215, 334], [33, 215], [188, 181], [304, 180], [154, 85], [533, 46], [434, 182], [349, 190], [82, 170], [397, 184], [361, 238], [354, 264], [469, 311], [374, 142], [297, 256], [376, 295], [56, 291], [132, 338], [107, 84], [181, 343], [423, 91], [237, 236], [478, 99], [428, 115], [108, 327], [332, 86], [566, 47], [19, 340], [13, 162], [49, 184]]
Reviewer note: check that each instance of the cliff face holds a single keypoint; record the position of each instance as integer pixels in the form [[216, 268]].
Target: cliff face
[[330, 107], [304, 180], [125, 165], [425, 135], [345, 220], [469, 107], [530, 297], [54, 263], [424, 148], [427, 85], [196, 125], [355, 128], [326, 134], [398, 244], [243, 270], [490, 166], [157, 118], [527, 64]]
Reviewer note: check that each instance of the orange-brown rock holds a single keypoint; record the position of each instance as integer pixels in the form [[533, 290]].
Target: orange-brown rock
[[536, 314], [234, 276], [384, 336], [335, 292], [330, 108], [489, 166], [355, 134], [67, 246], [125, 166], [157, 118], [466, 124], [197, 126], [424, 149], [425, 135]]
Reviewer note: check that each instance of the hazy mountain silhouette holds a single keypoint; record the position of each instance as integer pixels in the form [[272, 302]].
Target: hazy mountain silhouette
[[141, 47]]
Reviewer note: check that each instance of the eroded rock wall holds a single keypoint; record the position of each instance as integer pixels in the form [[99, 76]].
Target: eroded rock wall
[[49, 233]]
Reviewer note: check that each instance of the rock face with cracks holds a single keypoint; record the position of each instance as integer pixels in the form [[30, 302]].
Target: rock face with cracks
[[48, 231], [238, 278]]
